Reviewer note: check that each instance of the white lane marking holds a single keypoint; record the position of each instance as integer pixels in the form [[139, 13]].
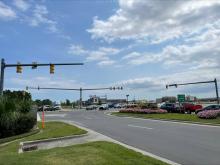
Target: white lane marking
[[87, 117], [169, 121], [136, 126], [55, 115]]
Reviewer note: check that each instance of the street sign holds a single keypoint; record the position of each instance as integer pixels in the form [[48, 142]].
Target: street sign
[[181, 98]]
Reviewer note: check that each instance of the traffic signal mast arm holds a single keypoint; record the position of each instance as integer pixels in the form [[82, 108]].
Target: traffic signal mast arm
[[36, 64], [76, 89], [200, 82]]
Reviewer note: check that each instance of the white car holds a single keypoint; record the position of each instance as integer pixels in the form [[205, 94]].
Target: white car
[[103, 107]]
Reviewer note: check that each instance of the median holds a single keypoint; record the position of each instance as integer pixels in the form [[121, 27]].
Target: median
[[163, 115]]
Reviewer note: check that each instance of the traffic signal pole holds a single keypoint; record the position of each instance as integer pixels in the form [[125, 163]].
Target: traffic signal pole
[[2, 76], [33, 65], [200, 82], [77, 89]]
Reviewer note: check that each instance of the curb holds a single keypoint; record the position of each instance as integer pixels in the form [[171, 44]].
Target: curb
[[173, 121], [35, 144]]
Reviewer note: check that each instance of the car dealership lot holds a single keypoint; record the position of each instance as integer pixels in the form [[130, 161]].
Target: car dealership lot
[[179, 142]]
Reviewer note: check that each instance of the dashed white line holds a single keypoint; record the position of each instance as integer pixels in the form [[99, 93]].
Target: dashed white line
[[136, 126]]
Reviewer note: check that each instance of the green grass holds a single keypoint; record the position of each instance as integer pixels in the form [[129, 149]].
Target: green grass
[[51, 130], [94, 153], [171, 116], [56, 129]]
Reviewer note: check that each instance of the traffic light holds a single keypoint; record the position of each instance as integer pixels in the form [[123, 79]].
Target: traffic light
[[167, 86], [18, 68], [51, 68]]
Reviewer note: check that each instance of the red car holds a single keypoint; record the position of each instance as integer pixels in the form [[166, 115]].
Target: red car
[[190, 107]]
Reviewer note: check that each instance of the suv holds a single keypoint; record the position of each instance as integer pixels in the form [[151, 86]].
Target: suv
[[208, 108], [171, 107]]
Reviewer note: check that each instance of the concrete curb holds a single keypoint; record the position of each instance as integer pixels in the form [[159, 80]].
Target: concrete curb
[[173, 121], [49, 143]]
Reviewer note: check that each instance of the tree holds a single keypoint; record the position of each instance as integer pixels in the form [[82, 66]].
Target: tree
[[68, 102], [46, 102]]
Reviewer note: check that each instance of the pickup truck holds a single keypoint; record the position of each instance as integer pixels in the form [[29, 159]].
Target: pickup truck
[[190, 107]]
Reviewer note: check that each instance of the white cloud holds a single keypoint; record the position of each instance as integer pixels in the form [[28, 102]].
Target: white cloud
[[40, 13], [197, 51], [106, 63], [102, 54], [46, 82], [158, 83], [22, 4], [6, 12], [77, 50], [131, 55], [155, 20]]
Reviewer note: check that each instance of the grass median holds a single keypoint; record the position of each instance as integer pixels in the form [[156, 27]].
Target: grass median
[[83, 154], [192, 118]]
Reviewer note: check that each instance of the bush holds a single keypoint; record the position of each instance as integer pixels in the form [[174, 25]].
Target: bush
[[15, 117], [210, 114], [143, 111]]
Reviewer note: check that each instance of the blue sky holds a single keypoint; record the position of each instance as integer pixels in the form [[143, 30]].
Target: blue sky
[[140, 45]]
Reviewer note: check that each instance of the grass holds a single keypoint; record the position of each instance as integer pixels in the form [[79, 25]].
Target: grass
[[93, 153], [56, 129], [171, 116]]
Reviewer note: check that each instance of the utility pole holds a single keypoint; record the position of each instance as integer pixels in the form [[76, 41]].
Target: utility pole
[[77, 89], [34, 65], [200, 82]]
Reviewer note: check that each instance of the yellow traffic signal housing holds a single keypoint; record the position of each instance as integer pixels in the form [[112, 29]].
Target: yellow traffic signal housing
[[19, 68], [51, 68]]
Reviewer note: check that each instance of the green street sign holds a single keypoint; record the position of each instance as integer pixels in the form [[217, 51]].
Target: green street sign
[[181, 98]]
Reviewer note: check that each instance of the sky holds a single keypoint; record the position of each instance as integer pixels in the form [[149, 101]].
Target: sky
[[141, 45]]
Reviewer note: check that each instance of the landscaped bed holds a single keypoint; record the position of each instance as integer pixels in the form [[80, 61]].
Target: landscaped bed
[[171, 116], [89, 153]]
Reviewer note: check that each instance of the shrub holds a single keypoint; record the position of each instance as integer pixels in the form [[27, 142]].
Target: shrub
[[144, 111], [15, 116], [210, 114]]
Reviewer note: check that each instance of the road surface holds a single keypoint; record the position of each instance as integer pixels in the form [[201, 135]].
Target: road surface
[[182, 143]]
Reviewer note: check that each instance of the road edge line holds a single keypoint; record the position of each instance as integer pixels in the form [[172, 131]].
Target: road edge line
[[168, 121]]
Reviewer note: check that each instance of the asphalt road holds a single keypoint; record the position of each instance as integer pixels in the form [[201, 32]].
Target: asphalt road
[[182, 143]]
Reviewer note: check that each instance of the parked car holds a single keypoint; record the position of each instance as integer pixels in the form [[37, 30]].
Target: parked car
[[103, 107], [56, 107], [190, 107], [171, 107], [118, 106], [210, 107], [91, 107], [45, 108]]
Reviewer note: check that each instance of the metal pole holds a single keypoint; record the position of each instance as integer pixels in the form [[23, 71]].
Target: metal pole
[[127, 99], [216, 88], [80, 99], [2, 76]]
